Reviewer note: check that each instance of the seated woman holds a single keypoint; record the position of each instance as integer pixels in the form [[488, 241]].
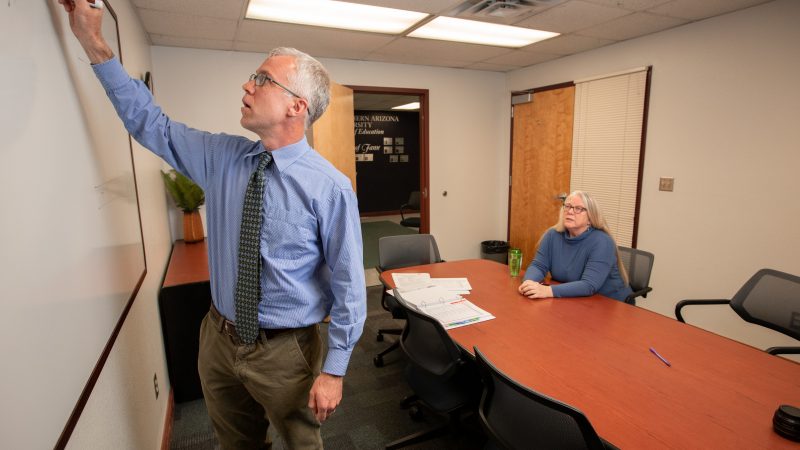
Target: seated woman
[[580, 253]]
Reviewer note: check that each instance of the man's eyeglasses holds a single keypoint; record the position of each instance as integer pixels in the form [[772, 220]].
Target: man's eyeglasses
[[576, 209], [261, 78]]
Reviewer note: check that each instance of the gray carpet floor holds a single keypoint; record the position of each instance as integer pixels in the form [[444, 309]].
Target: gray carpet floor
[[369, 416]]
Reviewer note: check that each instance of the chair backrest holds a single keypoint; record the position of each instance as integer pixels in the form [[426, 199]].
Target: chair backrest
[[772, 299], [407, 250], [413, 200], [516, 417], [639, 265], [427, 344]]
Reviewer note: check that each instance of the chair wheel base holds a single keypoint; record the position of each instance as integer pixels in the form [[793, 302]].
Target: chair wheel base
[[409, 401], [378, 361]]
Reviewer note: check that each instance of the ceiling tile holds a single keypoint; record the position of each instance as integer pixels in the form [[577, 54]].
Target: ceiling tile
[[567, 44], [633, 25], [519, 58], [696, 10], [572, 16], [632, 5], [442, 49], [185, 25], [417, 59], [221, 9], [320, 42], [174, 41]]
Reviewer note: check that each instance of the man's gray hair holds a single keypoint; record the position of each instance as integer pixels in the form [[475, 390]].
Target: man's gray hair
[[310, 81]]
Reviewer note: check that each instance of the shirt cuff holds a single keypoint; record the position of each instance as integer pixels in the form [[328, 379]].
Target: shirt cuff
[[111, 74], [336, 362]]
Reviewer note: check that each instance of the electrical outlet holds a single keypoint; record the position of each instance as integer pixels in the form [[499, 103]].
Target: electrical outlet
[[155, 384], [666, 184]]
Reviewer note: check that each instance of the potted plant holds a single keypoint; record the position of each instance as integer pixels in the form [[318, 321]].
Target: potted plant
[[188, 197]]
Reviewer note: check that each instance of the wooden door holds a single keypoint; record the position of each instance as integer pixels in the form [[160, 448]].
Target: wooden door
[[541, 160], [332, 134]]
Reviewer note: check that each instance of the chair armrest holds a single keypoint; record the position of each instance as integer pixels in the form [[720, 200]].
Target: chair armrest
[[783, 350], [631, 299], [683, 303], [405, 207]]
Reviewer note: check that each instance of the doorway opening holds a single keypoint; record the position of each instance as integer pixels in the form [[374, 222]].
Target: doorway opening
[[391, 146]]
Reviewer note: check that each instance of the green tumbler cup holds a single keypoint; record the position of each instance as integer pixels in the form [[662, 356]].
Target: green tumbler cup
[[514, 261]]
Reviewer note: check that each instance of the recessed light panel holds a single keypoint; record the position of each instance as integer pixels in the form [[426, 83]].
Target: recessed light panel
[[334, 14], [474, 32], [409, 106]]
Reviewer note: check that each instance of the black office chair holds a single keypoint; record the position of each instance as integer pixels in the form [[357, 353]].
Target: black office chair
[[769, 298], [395, 252], [411, 206], [516, 417], [639, 265], [443, 378]]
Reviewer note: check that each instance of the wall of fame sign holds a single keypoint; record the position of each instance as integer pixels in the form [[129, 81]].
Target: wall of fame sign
[[387, 158]]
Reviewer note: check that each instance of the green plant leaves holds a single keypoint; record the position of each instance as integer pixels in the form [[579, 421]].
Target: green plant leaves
[[187, 195]]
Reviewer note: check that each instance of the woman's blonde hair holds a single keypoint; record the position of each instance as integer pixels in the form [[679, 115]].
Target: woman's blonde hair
[[596, 221]]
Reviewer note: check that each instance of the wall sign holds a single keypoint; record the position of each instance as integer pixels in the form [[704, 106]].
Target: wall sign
[[387, 158]]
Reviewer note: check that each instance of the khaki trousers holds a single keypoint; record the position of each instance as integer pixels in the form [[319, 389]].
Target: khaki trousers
[[250, 386]]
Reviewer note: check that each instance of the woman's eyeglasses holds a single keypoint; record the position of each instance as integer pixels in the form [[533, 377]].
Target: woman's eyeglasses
[[576, 209]]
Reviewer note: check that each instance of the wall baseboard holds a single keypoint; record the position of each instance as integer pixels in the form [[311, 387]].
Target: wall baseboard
[[167, 436]]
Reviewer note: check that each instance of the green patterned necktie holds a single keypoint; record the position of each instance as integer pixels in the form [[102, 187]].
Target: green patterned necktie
[[248, 282]]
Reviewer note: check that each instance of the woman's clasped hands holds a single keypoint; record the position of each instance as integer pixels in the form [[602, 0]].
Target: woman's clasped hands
[[533, 289]]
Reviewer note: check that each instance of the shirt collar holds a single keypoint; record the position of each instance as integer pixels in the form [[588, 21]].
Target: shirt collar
[[579, 237], [285, 156]]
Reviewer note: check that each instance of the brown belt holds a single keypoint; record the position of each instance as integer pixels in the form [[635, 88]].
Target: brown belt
[[228, 328]]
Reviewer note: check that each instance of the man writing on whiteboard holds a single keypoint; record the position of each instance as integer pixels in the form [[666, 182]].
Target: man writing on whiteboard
[[284, 244]]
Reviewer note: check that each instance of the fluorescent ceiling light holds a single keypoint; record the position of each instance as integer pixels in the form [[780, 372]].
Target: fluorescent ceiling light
[[414, 105], [334, 14], [474, 32]]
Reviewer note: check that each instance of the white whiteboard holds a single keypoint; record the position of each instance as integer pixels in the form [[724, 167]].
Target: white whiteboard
[[70, 234]]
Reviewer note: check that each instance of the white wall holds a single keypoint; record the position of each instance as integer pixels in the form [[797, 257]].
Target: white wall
[[122, 411], [469, 123], [723, 119]]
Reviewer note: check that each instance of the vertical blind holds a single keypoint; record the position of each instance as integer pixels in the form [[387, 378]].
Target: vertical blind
[[606, 144]]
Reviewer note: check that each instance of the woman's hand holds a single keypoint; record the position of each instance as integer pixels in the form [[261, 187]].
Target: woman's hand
[[532, 289]]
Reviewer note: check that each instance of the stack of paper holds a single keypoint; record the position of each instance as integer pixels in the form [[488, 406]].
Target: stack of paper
[[440, 298]]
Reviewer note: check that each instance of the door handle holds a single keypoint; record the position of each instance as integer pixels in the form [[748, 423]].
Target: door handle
[[562, 196]]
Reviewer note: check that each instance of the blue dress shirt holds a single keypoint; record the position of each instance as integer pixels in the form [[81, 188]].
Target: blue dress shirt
[[584, 264], [311, 245]]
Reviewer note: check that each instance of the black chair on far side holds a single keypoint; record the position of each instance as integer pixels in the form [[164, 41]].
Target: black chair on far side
[[411, 206], [639, 265], [395, 252], [515, 417], [444, 378], [769, 298]]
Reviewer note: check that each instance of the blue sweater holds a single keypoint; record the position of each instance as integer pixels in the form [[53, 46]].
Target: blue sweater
[[584, 265]]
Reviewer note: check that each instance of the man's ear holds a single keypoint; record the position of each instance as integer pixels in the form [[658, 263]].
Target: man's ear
[[299, 107]]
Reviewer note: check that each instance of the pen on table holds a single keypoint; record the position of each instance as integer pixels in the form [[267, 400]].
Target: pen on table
[[653, 351]]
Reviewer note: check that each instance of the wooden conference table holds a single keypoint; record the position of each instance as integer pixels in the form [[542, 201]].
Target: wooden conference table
[[593, 353]]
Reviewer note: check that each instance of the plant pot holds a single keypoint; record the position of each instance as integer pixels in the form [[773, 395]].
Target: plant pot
[[192, 227]]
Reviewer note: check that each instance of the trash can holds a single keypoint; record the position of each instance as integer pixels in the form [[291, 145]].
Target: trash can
[[495, 250]]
